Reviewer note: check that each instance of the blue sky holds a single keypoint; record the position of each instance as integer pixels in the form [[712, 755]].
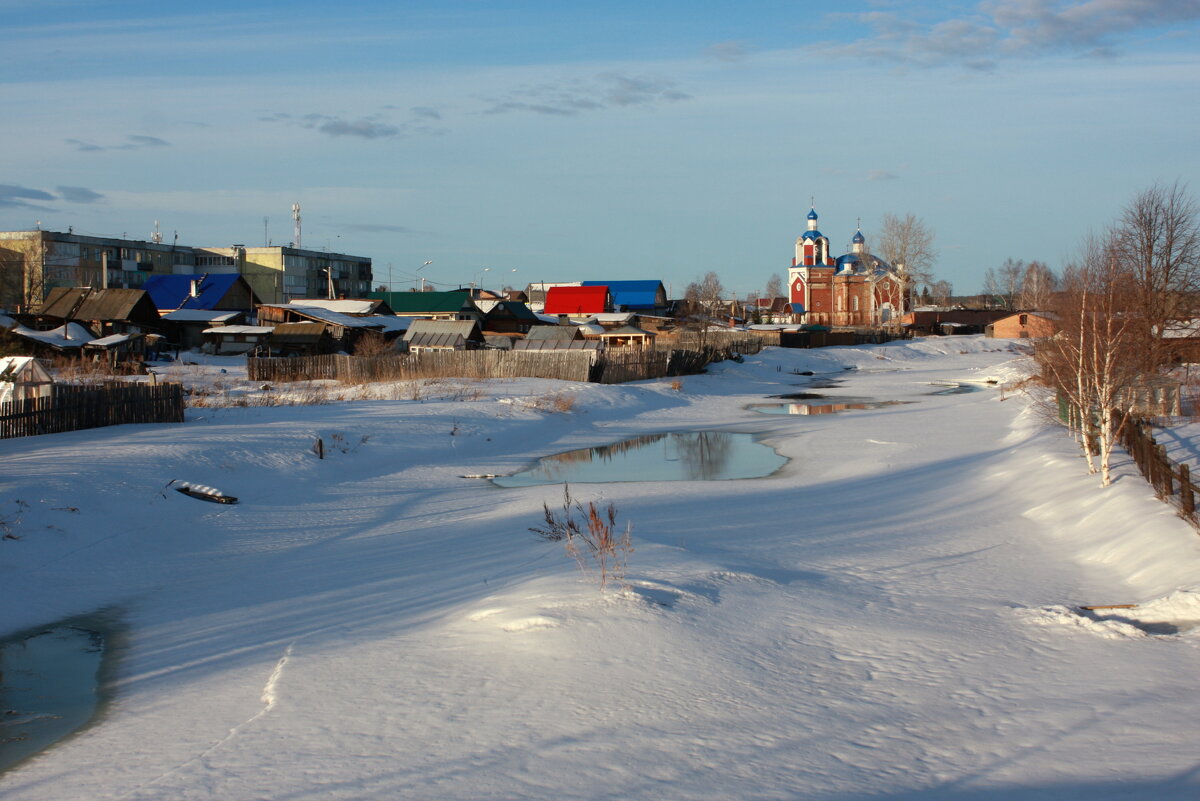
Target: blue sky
[[559, 141]]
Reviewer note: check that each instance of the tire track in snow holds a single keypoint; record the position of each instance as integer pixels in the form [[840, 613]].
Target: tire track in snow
[[268, 699]]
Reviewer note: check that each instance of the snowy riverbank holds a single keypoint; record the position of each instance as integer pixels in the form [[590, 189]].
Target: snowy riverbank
[[890, 615]]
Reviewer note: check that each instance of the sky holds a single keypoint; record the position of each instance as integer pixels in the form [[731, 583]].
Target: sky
[[510, 142]]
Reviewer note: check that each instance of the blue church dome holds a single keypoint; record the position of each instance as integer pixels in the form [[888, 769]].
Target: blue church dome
[[858, 238], [812, 214], [813, 234]]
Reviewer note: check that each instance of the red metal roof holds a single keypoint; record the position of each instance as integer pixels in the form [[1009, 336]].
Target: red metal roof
[[576, 300]]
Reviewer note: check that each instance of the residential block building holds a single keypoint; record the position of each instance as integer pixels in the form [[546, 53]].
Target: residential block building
[[34, 262]]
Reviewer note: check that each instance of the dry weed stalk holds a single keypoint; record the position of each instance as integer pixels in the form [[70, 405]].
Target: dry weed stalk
[[590, 536]]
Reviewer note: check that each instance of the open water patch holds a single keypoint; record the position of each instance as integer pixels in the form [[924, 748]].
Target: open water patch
[[676, 456], [52, 682]]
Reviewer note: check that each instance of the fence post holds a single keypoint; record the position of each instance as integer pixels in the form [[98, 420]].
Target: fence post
[[1186, 495]]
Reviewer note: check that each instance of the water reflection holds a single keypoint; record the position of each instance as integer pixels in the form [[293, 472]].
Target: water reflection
[[49, 687], [679, 456], [819, 405], [955, 389]]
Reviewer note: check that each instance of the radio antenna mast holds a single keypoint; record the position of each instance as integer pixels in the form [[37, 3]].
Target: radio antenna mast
[[296, 217]]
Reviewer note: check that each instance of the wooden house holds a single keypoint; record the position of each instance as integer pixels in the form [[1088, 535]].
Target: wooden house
[[103, 311]]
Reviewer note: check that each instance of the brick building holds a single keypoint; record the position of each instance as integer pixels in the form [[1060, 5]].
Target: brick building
[[855, 289]]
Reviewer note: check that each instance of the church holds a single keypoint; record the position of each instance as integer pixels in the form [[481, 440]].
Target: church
[[855, 289]]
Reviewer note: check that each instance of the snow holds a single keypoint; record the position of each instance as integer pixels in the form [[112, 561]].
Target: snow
[[894, 614]]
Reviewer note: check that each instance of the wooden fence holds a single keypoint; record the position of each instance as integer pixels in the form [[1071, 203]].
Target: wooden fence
[[72, 408], [566, 365], [606, 367], [1172, 481]]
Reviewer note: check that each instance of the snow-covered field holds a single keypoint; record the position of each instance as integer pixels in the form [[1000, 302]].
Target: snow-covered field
[[890, 616]]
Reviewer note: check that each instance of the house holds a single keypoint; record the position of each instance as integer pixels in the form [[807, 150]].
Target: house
[[624, 336], [443, 335], [23, 378], [507, 317], [535, 293], [104, 311], [635, 296], [431, 305], [227, 292], [775, 310], [236, 339], [578, 302], [1024, 325]]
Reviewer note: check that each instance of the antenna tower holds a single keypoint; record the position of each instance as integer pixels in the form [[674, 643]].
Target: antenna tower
[[156, 237], [296, 217]]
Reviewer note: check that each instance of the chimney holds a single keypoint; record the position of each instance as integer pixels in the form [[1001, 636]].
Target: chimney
[[194, 288]]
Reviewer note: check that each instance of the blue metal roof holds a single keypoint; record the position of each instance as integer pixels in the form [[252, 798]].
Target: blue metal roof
[[812, 215], [632, 295], [858, 238], [812, 235], [174, 291]]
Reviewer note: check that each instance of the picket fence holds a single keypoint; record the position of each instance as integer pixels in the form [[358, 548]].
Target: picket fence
[[73, 408]]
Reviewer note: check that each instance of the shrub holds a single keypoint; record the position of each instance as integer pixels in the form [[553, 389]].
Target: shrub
[[590, 535]]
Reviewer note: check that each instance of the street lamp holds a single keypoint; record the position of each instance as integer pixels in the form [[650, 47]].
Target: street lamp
[[422, 267], [482, 276]]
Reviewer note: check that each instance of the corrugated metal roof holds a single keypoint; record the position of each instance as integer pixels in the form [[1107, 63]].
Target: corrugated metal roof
[[467, 329], [433, 339], [557, 344], [553, 332]]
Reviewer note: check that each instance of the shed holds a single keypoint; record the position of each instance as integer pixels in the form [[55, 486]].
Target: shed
[[116, 348], [185, 327], [301, 339], [23, 378], [1024, 325], [443, 335], [236, 339]]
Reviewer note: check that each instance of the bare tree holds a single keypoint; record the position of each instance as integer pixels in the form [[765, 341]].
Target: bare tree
[[906, 243], [704, 299], [1162, 228], [1038, 283], [774, 287], [941, 291], [1098, 356]]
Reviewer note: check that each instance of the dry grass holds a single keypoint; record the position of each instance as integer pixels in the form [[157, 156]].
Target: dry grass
[[558, 402], [591, 537]]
